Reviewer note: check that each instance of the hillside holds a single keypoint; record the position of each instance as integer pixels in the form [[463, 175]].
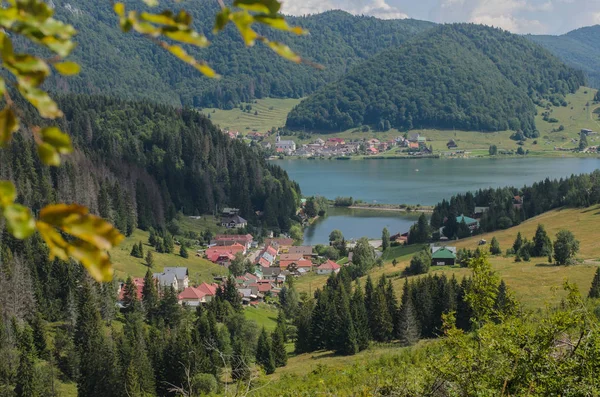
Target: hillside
[[456, 76], [579, 48], [131, 67]]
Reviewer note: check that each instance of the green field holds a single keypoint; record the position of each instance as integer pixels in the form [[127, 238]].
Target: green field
[[264, 315], [200, 269], [577, 115], [271, 112], [535, 283]]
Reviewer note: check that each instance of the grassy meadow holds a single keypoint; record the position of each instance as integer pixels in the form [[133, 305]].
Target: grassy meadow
[[271, 112], [200, 269], [578, 114]]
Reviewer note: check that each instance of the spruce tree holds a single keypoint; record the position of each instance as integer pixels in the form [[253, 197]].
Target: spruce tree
[[346, 343], [542, 244], [595, 289], [26, 373], [360, 318], [39, 335], [183, 252], [141, 249], [149, 295], [135, 251], [319, 320], [392, 303], [303, 323], [495, 247], [408, 325], [518, 243], [152, 237], [240, 360], [505, 305], [130, 296], [278, 347], [264, 353], [282, 324], [385, 239], [169, 308], [380, 321], [149, 259]]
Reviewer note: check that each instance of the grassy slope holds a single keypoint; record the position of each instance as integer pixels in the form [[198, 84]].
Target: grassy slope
[[264, 315], [200, 269], [573, 117], [534, 283], [272, 112]]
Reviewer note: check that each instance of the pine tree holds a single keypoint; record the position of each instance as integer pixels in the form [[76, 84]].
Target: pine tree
[[141, 249], [149, 259], [346, 343], [360, 318], [408, 325], [264, 353], [130, 295], [319, 320], [495, 247], [392, 303], [26, 373], [385, 239], [39, 335], [169, 309], [505, 305], [303, 322], [230, 294], [542, 244], [183, 252], [240, 360], [595, 289], [149, 295], [381, 321], [282, 324], [278, 347], [518, 243], [135, 251], [168, 243], [152, 237]]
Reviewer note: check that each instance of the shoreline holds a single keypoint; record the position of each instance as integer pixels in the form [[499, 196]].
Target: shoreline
[[539, 155], [389, 207]]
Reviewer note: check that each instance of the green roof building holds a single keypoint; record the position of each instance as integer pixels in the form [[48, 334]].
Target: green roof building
[[443, 257]]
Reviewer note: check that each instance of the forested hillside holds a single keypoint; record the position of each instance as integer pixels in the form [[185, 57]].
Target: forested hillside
[[132, 67], [579, 48], [137, 164], [459, 76]]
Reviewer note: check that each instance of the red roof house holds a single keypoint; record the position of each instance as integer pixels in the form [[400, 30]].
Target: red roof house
[[328, 268], [139, 283], [219, 253]]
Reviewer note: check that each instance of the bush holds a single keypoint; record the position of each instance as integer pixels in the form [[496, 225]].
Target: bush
[[205, 384], [420, 263]]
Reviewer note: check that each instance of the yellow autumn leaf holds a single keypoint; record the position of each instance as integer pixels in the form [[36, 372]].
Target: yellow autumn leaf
[[67, 68], [19, 220], [8, 125], [284, 51]]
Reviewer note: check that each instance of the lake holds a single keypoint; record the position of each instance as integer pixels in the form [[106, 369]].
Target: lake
[[424, 181], [419, 181]]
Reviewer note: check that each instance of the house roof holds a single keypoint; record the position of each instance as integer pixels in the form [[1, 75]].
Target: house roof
[[180, 272], [329, 265], [191, 293], [262, 287], [238, 220], [264, 263], [208, 289], [468, 220], [443, 253], [280, 241], [139, 285], [229, 251], [233, 237], [300, 263], [290, 257], [303, 250], [271, 271], [165, 279], [271, 251]]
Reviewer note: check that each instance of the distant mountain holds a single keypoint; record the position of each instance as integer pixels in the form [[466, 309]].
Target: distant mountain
[[579, 49], [130, 67], [460, 76]]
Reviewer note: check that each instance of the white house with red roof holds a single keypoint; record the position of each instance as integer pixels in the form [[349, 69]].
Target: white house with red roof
[[224, 254], [328, 268], [139, 284]]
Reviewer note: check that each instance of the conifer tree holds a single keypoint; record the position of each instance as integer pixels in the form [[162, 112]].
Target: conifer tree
[[505, 305], [135, 251], [168, 243], [149, 295], [392, 303], [152, 237], [542, 244], [130, 296], [303, 322], [168, 308], [495, 247], [278, 346], [240, 360], [360, 318], [39, 335], [230, 294], [183, 252], [141, 249], [319, 320], [385, 239], [264, 353], [595, 288], [282, 324], [381, 321], [408, 325], [369, 294], [26, 373], [518, 243], [346, 342], [149, 259]]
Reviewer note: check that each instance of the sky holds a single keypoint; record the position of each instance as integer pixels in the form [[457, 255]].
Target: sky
[[517, 16]]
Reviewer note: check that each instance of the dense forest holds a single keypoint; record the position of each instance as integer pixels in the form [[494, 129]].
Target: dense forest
[[138, 164], [579, 48], [461, 76], [131, 67], [503, 212]]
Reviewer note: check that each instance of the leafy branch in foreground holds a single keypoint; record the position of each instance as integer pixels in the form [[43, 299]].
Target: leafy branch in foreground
[[70, 231]]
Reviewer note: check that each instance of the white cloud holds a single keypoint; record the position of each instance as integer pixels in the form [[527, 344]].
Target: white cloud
[[377, 8]]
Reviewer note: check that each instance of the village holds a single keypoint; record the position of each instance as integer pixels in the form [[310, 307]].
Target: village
[[269, 264]]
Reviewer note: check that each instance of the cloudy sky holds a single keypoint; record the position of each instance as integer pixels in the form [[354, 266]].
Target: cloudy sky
[[518, 16]]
